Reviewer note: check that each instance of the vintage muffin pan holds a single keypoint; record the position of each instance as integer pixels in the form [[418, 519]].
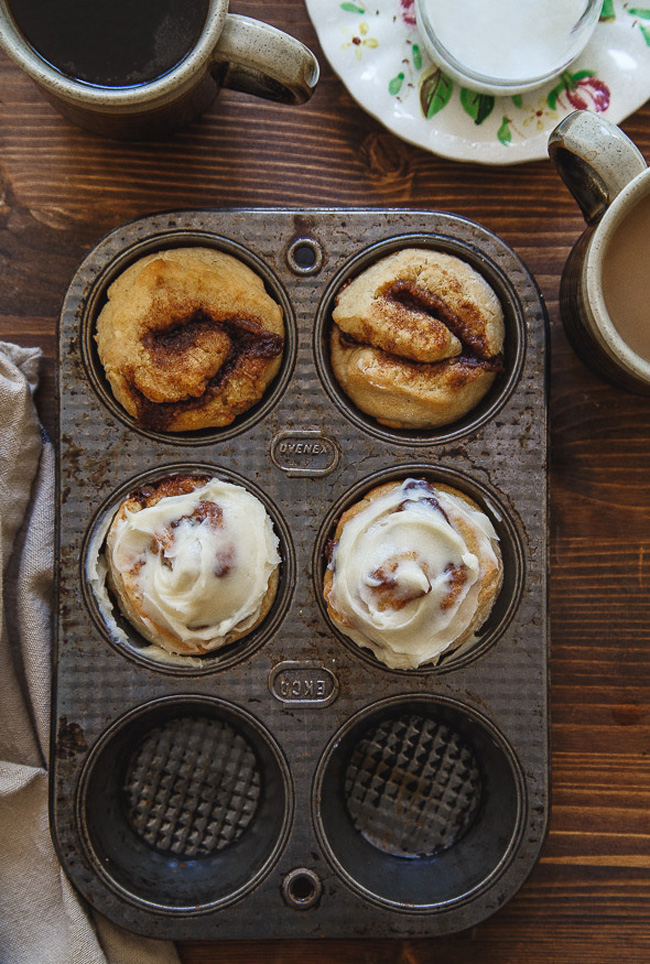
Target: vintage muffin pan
[[290, 784]]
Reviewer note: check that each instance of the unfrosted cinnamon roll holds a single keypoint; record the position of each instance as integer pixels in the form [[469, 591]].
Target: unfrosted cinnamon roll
[[189, 339], [417, 339], [414, 571], [193, 562]]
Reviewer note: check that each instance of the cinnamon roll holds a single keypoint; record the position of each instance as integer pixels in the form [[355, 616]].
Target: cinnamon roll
[[414, 571], [189, 339], [417, 339], [193, 562]]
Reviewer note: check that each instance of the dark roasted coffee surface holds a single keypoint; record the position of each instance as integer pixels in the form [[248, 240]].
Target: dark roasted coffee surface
[[117, 44]]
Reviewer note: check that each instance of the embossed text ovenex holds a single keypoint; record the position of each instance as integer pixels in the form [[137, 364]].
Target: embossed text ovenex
[[270, 842]]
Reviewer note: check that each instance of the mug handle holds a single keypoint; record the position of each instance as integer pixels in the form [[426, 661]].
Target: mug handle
[[259, 59], [595, 159]]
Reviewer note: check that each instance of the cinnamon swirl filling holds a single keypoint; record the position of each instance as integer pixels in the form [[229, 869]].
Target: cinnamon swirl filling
[[189, 338], [417, 339], [414, 572]]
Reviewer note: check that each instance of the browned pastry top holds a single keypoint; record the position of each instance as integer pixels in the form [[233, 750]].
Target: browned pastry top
[[189, 338], [417, 338]]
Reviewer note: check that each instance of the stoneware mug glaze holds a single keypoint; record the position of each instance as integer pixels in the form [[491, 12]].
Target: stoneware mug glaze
[[609, 178], [231, 51]]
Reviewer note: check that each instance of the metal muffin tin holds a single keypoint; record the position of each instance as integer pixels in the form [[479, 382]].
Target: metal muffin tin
[[291, 785]]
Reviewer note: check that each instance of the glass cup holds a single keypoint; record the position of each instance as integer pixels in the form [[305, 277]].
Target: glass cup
[[505, 47]]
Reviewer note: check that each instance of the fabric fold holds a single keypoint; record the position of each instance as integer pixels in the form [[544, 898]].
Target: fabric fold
[[42, 918]]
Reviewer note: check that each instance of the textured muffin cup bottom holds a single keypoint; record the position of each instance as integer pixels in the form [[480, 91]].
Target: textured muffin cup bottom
[[97, 297], [184, 804], [418, 803], [510, 544], [105, 609], [514, 342]]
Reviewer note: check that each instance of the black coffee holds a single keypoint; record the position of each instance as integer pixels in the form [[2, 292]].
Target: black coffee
[[111, 43]]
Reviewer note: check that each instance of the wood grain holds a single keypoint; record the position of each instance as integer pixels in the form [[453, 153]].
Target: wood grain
[[62, 189]]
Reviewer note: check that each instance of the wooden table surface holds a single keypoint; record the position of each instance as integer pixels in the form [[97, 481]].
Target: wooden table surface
[[61, 190]]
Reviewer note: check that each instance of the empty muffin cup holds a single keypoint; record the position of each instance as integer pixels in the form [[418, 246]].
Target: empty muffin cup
[[418, 803], [185, 804], [420, 338]]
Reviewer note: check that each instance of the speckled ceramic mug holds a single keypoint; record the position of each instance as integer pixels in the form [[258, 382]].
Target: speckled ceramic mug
[[229, 51], [608, 266]]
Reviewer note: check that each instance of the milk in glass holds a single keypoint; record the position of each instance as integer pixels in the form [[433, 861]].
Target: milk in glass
[[509, 42]]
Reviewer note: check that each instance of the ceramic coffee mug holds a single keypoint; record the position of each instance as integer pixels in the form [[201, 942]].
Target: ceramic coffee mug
[[605, 288], [139, 68]]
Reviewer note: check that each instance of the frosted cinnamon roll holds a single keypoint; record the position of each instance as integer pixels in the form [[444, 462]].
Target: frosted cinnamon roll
[[414, 571], [193, 562], [417, 339], [189, 339]]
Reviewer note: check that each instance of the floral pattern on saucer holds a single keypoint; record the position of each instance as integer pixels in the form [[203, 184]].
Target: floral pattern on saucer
[[376, 50]]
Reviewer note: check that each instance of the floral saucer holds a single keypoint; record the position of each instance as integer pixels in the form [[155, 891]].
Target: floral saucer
[[376, 50]]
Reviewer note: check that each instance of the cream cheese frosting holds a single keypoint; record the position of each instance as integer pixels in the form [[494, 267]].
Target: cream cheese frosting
[[414, 571], [194, 570]]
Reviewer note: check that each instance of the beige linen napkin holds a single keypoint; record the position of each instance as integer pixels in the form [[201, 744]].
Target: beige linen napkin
[[42, 919]]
